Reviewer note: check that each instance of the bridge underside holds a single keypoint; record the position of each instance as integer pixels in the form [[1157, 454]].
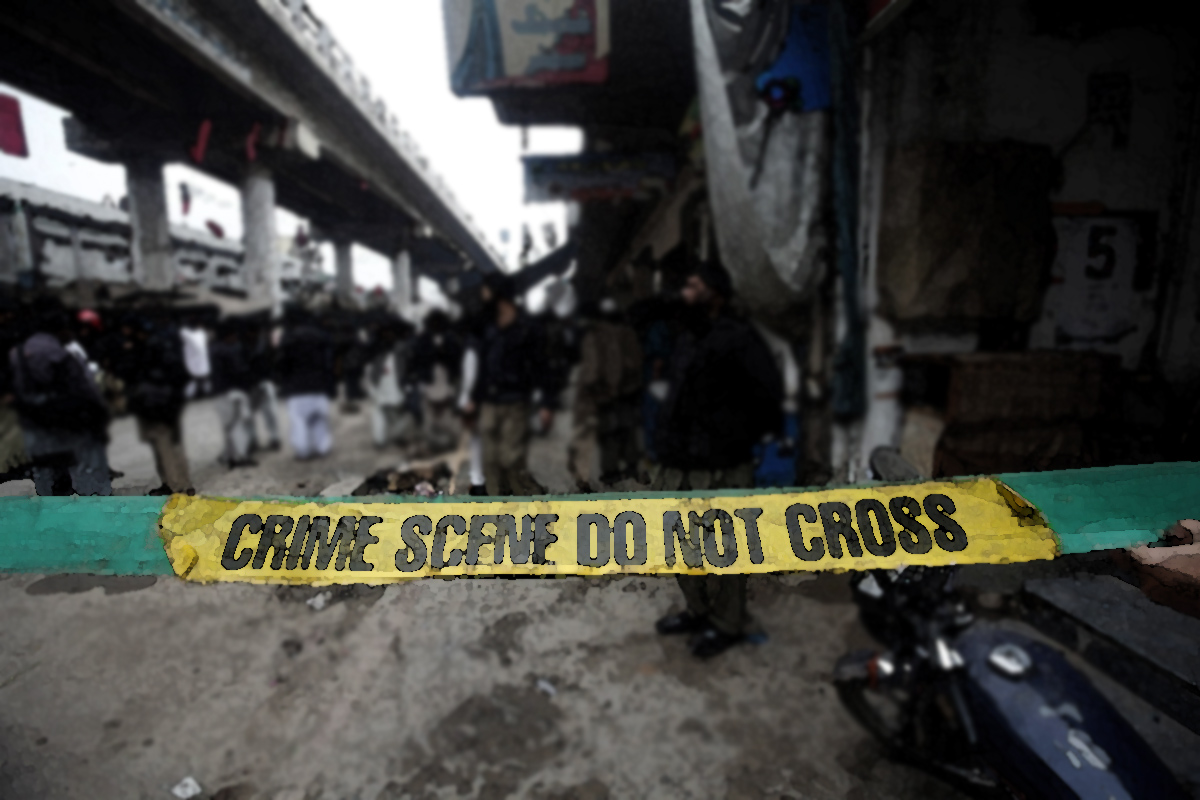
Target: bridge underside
[[135, 94]]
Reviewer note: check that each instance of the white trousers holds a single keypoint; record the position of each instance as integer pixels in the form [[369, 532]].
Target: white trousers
[[237, 420], [309, 418], [476, 452], [262, 401], [390, 422]]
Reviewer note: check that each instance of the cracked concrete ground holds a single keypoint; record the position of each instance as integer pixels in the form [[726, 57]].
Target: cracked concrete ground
[[486, 688]]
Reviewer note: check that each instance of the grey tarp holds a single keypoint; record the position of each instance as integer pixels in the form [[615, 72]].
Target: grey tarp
[[772, 237]]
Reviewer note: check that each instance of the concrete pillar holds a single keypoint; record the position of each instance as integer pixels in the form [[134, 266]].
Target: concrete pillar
[[8, 249], [403, 284], [16, 256], [261, 262], [343, 257], [153, 262]]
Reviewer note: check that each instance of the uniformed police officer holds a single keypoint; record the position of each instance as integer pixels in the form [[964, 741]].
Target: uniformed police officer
[[725, 393]]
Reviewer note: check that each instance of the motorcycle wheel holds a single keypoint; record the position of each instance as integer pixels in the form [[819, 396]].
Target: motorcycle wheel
[[884, 716], [890, 720]]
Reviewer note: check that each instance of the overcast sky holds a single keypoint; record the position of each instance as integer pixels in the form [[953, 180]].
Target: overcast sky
[[401, 48]]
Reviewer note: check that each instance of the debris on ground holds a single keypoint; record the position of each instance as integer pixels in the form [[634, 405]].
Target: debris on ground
[[342, 487], [359, 594], [186, 788], [415, 479]]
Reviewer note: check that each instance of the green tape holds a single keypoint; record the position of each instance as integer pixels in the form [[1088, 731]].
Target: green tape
[[1110, 508], [96, 535], [1088, 509]]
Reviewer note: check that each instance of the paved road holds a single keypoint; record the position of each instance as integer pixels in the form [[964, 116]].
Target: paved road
[[486, 688]]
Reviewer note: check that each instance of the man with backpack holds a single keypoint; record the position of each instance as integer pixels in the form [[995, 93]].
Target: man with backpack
[[64, 420], [150, 362]]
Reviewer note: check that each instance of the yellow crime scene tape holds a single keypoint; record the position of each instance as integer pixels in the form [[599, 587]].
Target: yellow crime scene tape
[[309, 542]]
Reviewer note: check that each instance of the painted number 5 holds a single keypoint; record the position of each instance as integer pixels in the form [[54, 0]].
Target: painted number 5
[[1099, 248]]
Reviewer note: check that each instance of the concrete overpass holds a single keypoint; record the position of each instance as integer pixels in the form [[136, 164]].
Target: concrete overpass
[[257, 93], [83, 249]]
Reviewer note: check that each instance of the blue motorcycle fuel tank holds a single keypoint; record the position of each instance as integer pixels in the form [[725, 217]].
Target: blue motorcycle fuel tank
[[1053, 734]]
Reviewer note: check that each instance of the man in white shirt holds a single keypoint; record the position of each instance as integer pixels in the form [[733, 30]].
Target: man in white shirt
[[195, 358]]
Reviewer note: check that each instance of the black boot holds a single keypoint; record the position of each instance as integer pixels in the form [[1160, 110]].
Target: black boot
[[710, 642], [684, 622]]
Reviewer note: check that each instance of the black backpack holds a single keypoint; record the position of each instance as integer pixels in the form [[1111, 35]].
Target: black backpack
[[156, 395], [56, 404]]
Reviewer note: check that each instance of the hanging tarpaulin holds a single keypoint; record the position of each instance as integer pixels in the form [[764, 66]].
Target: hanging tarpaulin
[[504, 44], [763, 76], [596, 176], [12, 128]]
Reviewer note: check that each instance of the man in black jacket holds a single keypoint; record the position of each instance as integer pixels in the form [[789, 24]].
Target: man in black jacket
[[307, 379], [63, 418], [513, 376], [725, 395], [436, 362], [233, 380], [149, 360]]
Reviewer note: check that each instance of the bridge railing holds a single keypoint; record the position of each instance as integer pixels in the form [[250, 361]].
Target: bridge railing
[[318, 39]]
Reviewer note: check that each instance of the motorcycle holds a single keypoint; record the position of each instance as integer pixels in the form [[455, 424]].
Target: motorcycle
[[992, 712]]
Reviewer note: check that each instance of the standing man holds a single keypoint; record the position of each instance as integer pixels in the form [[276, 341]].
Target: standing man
[[308, 381], [390, 420], [466, 407], [512, 378], [261, 353], [606, 399], [14, 461], [350, 359], [436, 362], [656, 353], [84, 337], [62, 416], [150, 363], [195, 357], [232, 383], [725, 393]]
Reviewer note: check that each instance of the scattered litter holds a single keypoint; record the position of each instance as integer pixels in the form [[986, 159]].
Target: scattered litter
[[186, 788], [407, 480], [546, 687], [344, 487], [319, 601]]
